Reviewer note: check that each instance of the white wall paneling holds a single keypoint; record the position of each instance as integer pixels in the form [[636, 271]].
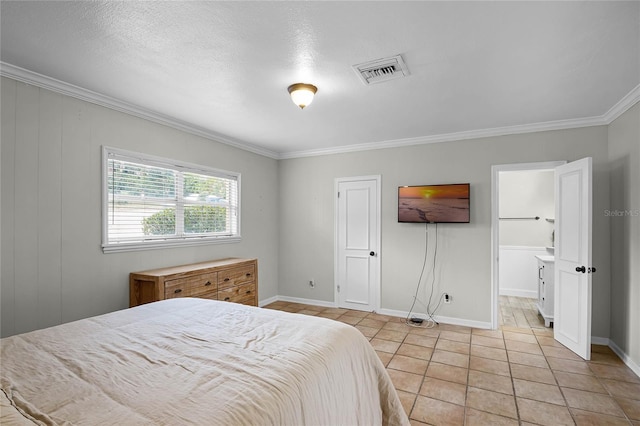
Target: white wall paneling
[[519, 270], [53, 268]]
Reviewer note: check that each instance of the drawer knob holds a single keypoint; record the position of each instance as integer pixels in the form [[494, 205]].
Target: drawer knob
[[207, 283], [248, 291], [226, 299], [248, 274], [226, 279], [178, 290]]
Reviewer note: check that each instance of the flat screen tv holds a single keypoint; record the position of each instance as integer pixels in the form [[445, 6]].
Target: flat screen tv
[[434, 203]]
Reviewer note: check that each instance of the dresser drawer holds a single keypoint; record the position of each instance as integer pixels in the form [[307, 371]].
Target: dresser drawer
[[178, 290], [236, 276], [191, 286], [238, 294], [206, 284], [181, 291]]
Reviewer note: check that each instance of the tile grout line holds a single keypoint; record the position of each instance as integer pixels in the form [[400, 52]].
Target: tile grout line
[[424, 376], [466, 393], [555, 379], [513, 385]]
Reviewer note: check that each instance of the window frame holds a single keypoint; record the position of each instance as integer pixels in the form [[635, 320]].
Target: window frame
[[159, 242]]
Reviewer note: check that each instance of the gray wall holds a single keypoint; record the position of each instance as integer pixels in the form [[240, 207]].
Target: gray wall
[[624, 217], [53, 268], [526, 194], [464, 264]]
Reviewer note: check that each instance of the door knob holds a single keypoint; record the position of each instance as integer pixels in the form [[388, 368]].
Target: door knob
[[581, 269], [372, 253]]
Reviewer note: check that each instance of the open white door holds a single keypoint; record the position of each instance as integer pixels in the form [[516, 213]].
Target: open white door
[[572, 309], [357, 242]]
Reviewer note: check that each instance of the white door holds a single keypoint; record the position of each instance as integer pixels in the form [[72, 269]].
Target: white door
[[357, 243], [572, 309]]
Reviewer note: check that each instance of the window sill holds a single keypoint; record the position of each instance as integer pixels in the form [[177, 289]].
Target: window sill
[[155, 245]]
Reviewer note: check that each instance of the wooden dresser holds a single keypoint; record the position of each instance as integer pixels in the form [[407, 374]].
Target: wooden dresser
[[232, 280]]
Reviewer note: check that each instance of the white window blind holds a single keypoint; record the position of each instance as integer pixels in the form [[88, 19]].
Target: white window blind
[[151, 202]]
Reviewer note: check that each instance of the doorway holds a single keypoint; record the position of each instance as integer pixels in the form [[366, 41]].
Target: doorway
[[526, 224], [571, 265], [357, 265]]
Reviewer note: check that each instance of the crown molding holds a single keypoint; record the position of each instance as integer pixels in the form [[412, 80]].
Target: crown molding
[[451, 137], [33, 78], [58, 86], [624, 104]]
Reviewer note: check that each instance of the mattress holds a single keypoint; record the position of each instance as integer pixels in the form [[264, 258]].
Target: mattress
[[196, 361]]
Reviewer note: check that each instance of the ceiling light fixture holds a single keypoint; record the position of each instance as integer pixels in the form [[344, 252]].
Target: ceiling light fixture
[[302, 94]]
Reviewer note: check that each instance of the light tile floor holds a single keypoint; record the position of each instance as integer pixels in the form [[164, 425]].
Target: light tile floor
[[519, 312], [454, 375]]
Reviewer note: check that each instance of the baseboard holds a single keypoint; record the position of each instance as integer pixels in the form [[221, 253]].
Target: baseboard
[[624, 357], [268, 301], [531, 294], [390, 312], [440, 319], [314, 302], [621, 354], [604, 341]]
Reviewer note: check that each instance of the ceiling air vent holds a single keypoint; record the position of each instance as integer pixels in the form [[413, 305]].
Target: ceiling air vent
[[380, 70]]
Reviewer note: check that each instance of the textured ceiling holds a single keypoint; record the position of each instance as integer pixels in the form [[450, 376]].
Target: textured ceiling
[[225, 66]]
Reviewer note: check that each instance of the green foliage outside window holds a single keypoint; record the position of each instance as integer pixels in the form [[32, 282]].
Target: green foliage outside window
[[204, 186], [197, 219]]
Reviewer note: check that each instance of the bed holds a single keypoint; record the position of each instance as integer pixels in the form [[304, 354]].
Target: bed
[[196, 361]]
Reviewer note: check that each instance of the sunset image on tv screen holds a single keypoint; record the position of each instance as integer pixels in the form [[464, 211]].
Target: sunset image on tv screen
[[434, 203]]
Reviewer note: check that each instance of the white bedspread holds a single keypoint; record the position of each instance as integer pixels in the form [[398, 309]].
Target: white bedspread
[[196, 361]]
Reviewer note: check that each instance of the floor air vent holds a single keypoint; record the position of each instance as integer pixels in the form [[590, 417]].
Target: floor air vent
[[380, 70]]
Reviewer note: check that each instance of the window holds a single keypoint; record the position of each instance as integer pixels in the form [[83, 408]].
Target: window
[[152, 202]]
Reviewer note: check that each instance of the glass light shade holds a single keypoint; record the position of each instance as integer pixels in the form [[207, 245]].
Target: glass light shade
[[302, 94]]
